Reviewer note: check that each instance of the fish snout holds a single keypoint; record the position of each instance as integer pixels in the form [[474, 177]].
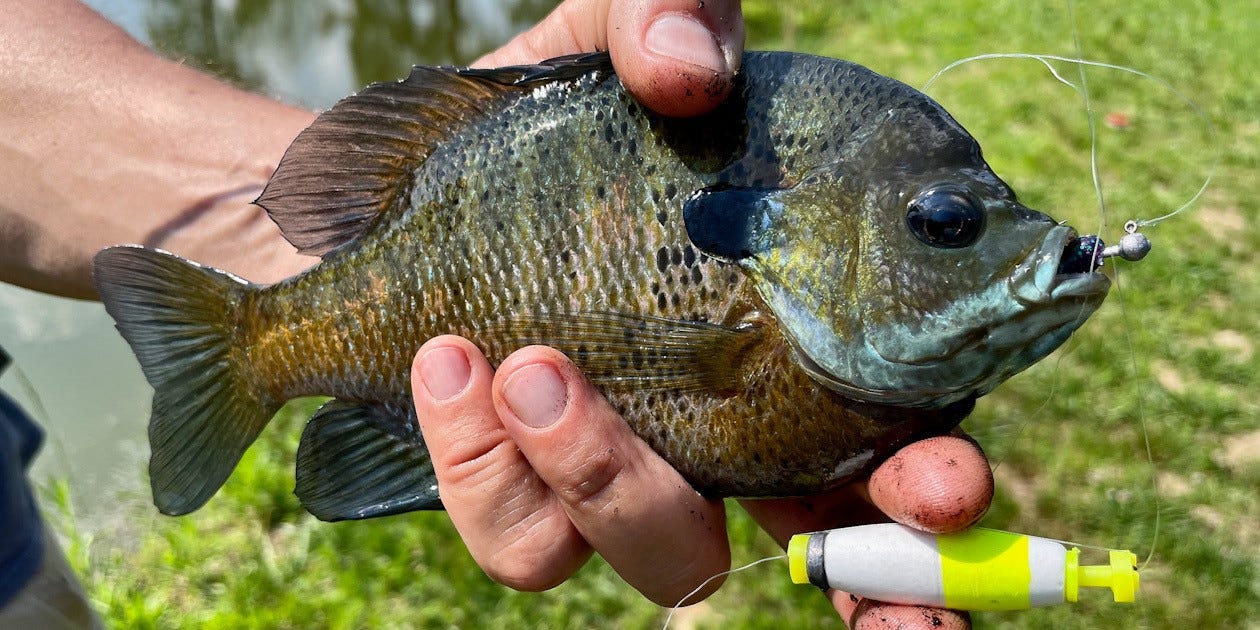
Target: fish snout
[[1063, 266]]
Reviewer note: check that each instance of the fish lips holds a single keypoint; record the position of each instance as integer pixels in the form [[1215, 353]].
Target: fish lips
[[1037, 283], [1048, 305]]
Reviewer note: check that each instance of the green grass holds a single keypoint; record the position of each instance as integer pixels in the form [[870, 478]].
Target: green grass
[[1069, 432], [253, 558]]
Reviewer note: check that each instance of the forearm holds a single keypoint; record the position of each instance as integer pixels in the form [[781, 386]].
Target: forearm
[[103, 142]]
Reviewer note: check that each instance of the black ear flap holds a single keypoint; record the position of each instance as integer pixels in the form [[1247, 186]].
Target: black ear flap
[[731, 222]]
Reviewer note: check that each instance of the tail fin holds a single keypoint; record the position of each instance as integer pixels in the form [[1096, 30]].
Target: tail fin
[[179, 318]]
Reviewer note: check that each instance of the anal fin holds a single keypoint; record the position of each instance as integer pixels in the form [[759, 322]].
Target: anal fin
[[360, 460]]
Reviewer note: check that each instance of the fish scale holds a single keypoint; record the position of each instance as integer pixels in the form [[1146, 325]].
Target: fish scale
[[705, 435], [733, 283]]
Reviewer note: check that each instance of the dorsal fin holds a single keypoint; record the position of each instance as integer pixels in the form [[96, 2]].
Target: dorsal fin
[[354, 163]]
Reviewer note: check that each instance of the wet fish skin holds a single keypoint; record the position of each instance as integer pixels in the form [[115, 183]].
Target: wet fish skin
[[729, 281]]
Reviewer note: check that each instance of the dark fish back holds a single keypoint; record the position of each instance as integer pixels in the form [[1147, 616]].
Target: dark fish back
[[551, 221]]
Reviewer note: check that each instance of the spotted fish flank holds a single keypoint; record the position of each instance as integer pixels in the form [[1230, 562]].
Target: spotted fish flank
[[776, 295]]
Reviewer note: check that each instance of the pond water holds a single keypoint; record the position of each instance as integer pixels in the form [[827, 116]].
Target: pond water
[[73, 371]]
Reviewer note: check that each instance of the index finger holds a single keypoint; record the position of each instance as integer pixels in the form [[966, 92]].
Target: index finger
[[658, 533]]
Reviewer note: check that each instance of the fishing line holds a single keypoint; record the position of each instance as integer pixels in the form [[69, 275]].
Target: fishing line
[[29, 389], [1127, 335], [1046, 60], [1126, 328], [674, 608], [45, 418], [1082, 90], [1092, 120], [40, 412], [1054, 386]]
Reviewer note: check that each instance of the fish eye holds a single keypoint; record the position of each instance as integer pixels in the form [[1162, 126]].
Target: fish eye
[[945, 217]]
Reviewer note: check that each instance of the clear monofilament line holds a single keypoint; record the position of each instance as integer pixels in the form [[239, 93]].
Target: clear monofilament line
[[1141, 415], [1124, 311], [1090, 118], [1046, 61], [1054, 388], [41, 413], [672, 610], [1083, 92]]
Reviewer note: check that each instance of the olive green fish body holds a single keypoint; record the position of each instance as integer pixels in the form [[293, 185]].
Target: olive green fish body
[[715, 276]]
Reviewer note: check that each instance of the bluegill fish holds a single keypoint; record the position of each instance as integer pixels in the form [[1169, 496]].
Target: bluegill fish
[[776, 295]]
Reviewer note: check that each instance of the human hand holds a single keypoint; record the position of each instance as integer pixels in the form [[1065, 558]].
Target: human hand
[[532, 503], [533, 499], [936, 485], [678, 57], [536, 470]]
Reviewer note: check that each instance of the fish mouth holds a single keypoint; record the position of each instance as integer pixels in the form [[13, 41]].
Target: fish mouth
[[1052, 291], [1056, 272], [1049, 294]]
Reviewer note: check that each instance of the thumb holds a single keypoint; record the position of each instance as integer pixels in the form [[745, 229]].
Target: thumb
[[678, 57]]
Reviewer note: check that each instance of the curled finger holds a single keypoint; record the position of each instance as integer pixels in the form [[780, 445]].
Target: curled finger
[[940, 484], [512, 525], [658, 533]]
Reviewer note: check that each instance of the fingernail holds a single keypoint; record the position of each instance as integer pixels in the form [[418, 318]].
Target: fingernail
[[444, 372], [684, 38], [537, 395]]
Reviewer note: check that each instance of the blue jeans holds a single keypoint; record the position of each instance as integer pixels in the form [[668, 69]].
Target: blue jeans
[[21, 532], [37, 587]]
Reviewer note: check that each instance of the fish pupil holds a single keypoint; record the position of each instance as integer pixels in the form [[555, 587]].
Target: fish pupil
[[945, 217]]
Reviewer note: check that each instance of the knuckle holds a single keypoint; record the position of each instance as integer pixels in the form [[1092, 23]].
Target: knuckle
[[481, 465], [591, 483], [464, 438]]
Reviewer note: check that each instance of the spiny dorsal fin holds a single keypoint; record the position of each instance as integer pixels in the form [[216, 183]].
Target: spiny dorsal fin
[[354, 163]]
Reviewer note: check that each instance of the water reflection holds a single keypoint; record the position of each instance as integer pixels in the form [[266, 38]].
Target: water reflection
[[316, 51]]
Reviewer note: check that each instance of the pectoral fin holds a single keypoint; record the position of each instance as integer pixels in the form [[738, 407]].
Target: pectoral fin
[[364, 460], [640, 352]]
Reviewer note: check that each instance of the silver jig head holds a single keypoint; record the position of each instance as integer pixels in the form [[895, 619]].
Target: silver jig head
[[1133, 246]]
